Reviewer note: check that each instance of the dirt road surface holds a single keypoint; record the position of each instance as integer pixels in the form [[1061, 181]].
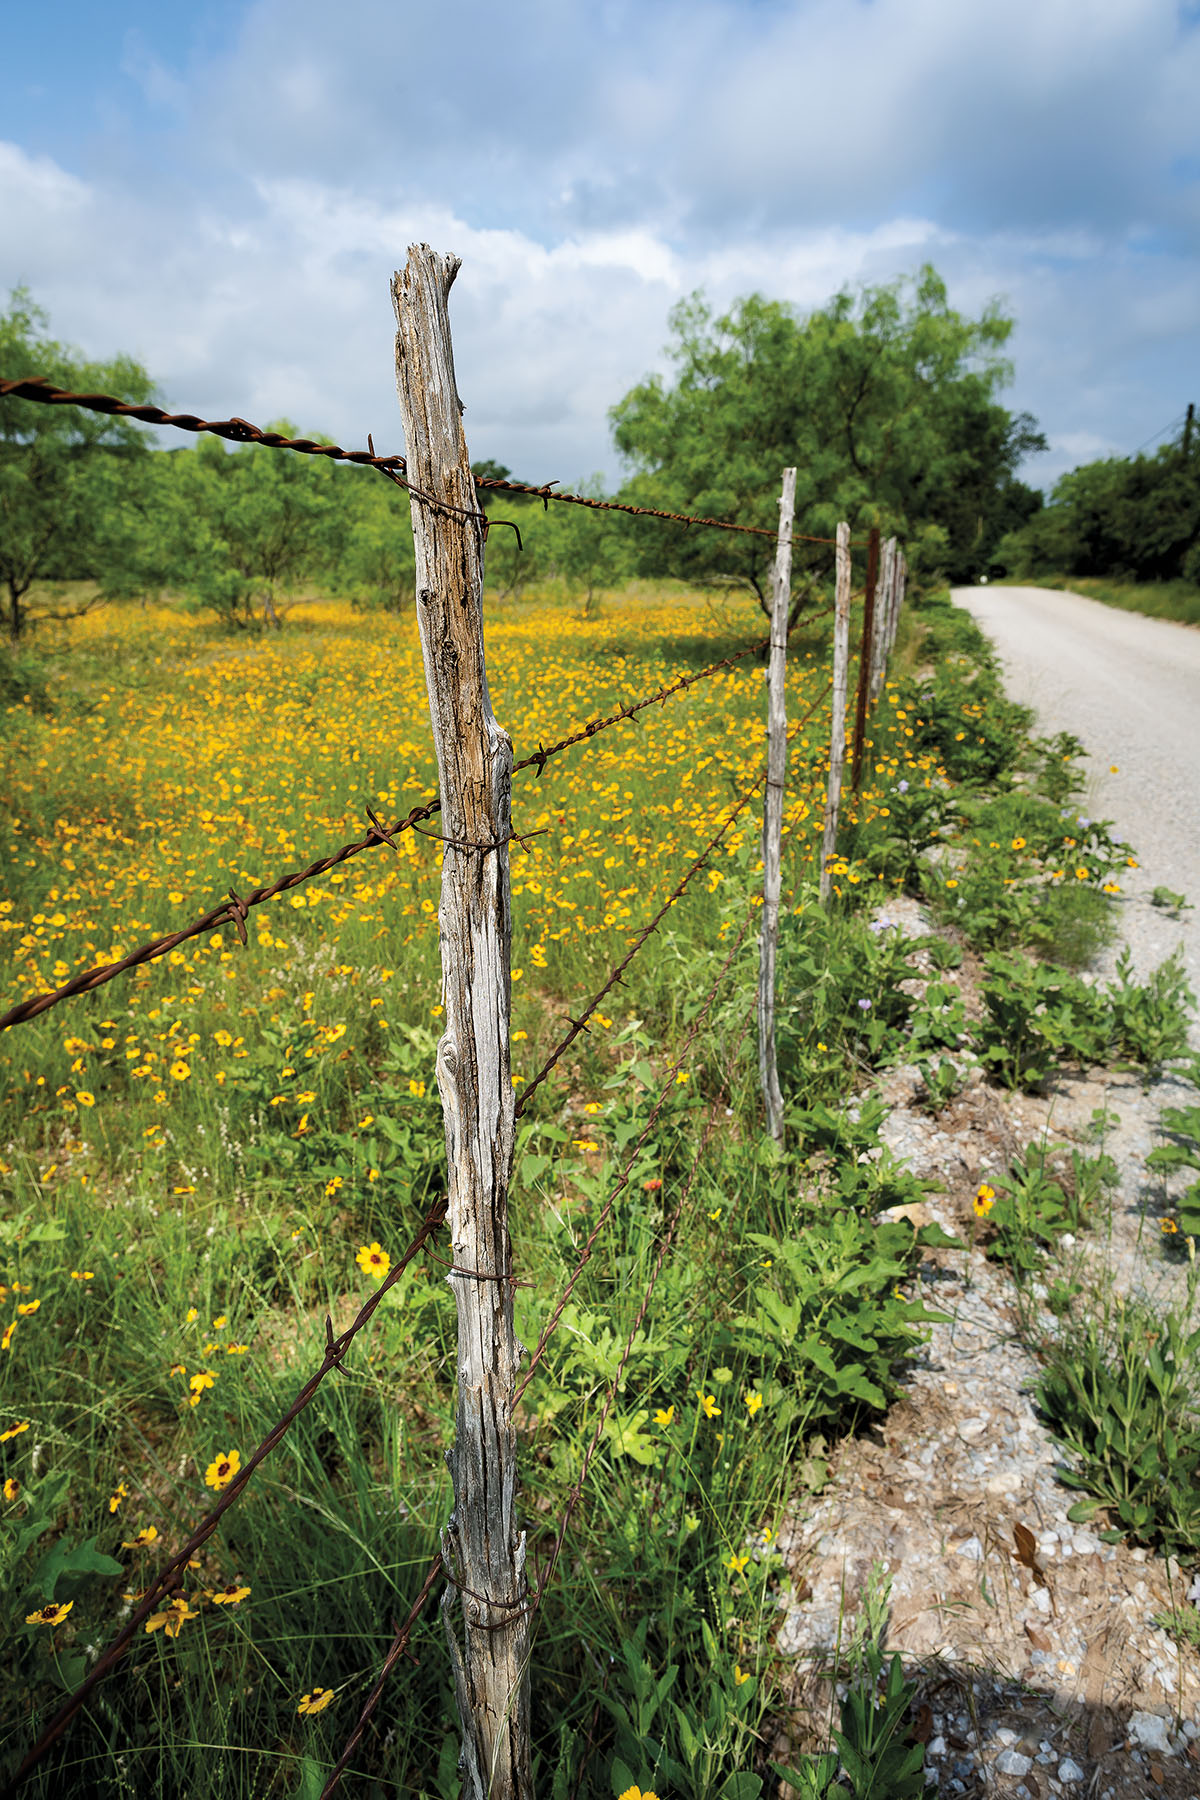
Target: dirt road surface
[[1129, 688]]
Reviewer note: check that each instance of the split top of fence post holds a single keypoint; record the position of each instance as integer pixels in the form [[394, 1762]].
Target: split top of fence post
[[483, 1547]]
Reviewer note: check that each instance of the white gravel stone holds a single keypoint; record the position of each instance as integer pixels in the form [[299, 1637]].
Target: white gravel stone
[[1150, 1731], [1069, 1770], [1011, 1762]]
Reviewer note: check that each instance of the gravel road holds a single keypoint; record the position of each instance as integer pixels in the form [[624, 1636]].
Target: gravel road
[[1129, 688]]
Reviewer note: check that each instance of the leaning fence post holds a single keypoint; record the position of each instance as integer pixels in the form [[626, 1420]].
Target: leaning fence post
[[483, 1547], [837, 724], [864, 653], [772, 833]]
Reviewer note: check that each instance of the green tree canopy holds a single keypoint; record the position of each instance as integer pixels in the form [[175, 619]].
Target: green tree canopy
[[885, 402], [1137, 517], [70, 480]]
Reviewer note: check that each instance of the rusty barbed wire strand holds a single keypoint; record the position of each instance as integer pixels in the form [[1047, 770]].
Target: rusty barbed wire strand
[[399, 1646], [240, 431], [579, 1025], [169, 1576], [232, 911], [237, 431], [576, 1490], [540, 757], [623, 1179], [235, 909]]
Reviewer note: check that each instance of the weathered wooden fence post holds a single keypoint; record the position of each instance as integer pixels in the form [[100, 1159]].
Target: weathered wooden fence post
[[864, 654], [772, 833], [880, 642], [483, 1545], [837, 725]]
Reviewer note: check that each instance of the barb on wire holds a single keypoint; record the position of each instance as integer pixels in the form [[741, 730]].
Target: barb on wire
[[170, 1575], [579, 1025], [664, 1250], [623, 1179], [399, 1646]]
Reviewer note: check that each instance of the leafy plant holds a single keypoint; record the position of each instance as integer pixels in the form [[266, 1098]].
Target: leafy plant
[[943, 1080], [1120, 1394], [875, 1757], [1150, 1019], [1035, 1014], [1182, 1126]]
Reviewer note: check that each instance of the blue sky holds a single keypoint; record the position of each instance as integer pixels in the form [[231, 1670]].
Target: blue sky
[[224, 188]]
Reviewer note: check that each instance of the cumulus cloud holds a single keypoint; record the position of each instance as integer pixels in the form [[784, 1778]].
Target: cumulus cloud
[[232, 213]]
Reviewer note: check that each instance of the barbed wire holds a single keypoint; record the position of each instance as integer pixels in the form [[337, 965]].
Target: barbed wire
[[169, 1576], [399, 1646], [579, 1025], [240, 431]]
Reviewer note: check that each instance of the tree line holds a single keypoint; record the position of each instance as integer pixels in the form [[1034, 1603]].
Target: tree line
[[1134, 518], [886, 400]]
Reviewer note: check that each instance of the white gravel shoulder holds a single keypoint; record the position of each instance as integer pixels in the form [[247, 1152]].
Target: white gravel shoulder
[[1129, 688]]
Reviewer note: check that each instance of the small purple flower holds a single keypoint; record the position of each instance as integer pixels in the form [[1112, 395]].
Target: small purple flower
[[902, 787], [864, 1006]]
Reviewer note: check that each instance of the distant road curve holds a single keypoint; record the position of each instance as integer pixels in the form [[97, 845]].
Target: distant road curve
[[1129, 688]]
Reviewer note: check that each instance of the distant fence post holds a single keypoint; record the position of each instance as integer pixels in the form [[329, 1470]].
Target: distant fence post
[[772, 834], [880, 642], [483, 1548], [837, 725], [864, 654]]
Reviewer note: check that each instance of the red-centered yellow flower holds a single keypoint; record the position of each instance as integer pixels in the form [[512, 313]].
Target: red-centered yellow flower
[[25, 1307], [316, 1701], [14, 1430], [374, 1260], [82, 1275], [1082, 874], [985, 1199], [115, 1500], [49, 1615], [1018, 843], [222, 1469], [85, 1099], [1168, 1227], [6, 1340], [708, 1403], [220, 1322], [145, 1536], [12, 1487], [232, 1595], [173, 1618], [636, 1793]]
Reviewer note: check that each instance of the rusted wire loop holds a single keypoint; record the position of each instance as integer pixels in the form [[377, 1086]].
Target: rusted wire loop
[[475, 1274], [514, 837], [237, 913], [513, 1607]]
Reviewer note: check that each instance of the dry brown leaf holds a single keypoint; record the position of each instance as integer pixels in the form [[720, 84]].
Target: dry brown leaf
[[916, 1214], [1037, 1638]]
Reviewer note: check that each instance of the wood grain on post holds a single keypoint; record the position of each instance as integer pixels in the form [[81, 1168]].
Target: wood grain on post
[[837, 725], [864, 655], [483, 1545], [772, 836]]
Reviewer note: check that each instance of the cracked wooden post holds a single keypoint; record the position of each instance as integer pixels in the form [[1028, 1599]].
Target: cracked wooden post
[[837, 723], [772, 834], [486, 1607]]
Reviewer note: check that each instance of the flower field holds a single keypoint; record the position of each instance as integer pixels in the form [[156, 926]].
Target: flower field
[[202, 1159]]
